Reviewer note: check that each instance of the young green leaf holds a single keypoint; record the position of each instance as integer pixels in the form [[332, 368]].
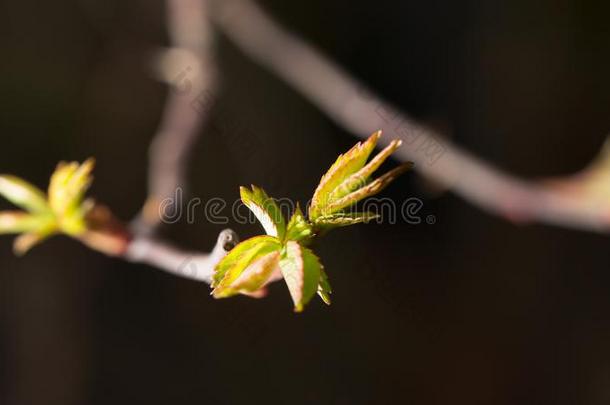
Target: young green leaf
[[324, 289], [265, 209], [301, 270], [236, 254], [344, 166], [68, 185], [299, 229], [235, 263], [344, 219], [362, 176], [369, 190], [254, 263], [26, 241], [23, 194], [19, 222], [349, 179], [257, 274], [62, 210]]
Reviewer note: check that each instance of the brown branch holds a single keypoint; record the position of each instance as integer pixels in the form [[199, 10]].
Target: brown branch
[[360, 111]]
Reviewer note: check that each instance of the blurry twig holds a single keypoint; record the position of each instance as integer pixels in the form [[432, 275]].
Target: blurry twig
[[110, 236], [192, 265], [361, 112], [350, 105], [191, 48]]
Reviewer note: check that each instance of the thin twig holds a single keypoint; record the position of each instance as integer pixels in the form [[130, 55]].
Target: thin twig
[[360, 111], [191, 51], [192, 265]]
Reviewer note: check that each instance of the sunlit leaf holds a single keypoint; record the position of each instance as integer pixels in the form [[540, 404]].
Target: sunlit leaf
[[362, 176], [369, 190], [324, 289], [266, 210], [345, 165], [236, 254], [62, 210], [344, 219], [301, 270], [19, 222], [68, 185], [26, 241], [257, 274], [23, 194], [67, 189], [235, 263], [298, 228]]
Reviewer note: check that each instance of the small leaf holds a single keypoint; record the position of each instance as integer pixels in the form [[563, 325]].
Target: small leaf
[[68, 185], [257, 274], [23, 194], [324, 289], [19, 222], [361, 178], [24, 242], [235, 263], [236, 254], [369, 190], [345, 165], [344, 219], [298, 228], [266, 211], [301, 270], [63, 210]]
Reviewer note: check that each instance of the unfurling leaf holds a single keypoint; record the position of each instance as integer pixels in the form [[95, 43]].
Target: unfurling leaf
[[67, 188], [26, 241], [349, 179], [19, 222], [257, 274], [265, 209], [362, 176], [23, 194], [229, 269], [251, 265], [369, 190], [63, 210], [299, 229], [345, 165], [324, 289], [344, 219], [301, 270]]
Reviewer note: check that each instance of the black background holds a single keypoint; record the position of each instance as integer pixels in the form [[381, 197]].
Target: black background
[[470, 310]]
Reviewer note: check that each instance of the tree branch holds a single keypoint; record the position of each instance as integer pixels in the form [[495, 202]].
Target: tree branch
[[192, 265], [192, 40], [360, 111], [191, 54]]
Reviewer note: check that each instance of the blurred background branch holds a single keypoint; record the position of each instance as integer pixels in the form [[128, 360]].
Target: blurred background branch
[[574, 202], [360, 111], [563, 202], [469, 309], [191, 51], [192, 42]]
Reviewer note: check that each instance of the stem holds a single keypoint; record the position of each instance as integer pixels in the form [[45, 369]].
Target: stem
[[357, 109]]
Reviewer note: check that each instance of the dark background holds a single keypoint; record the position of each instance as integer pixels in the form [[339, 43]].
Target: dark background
[[470, 310]]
